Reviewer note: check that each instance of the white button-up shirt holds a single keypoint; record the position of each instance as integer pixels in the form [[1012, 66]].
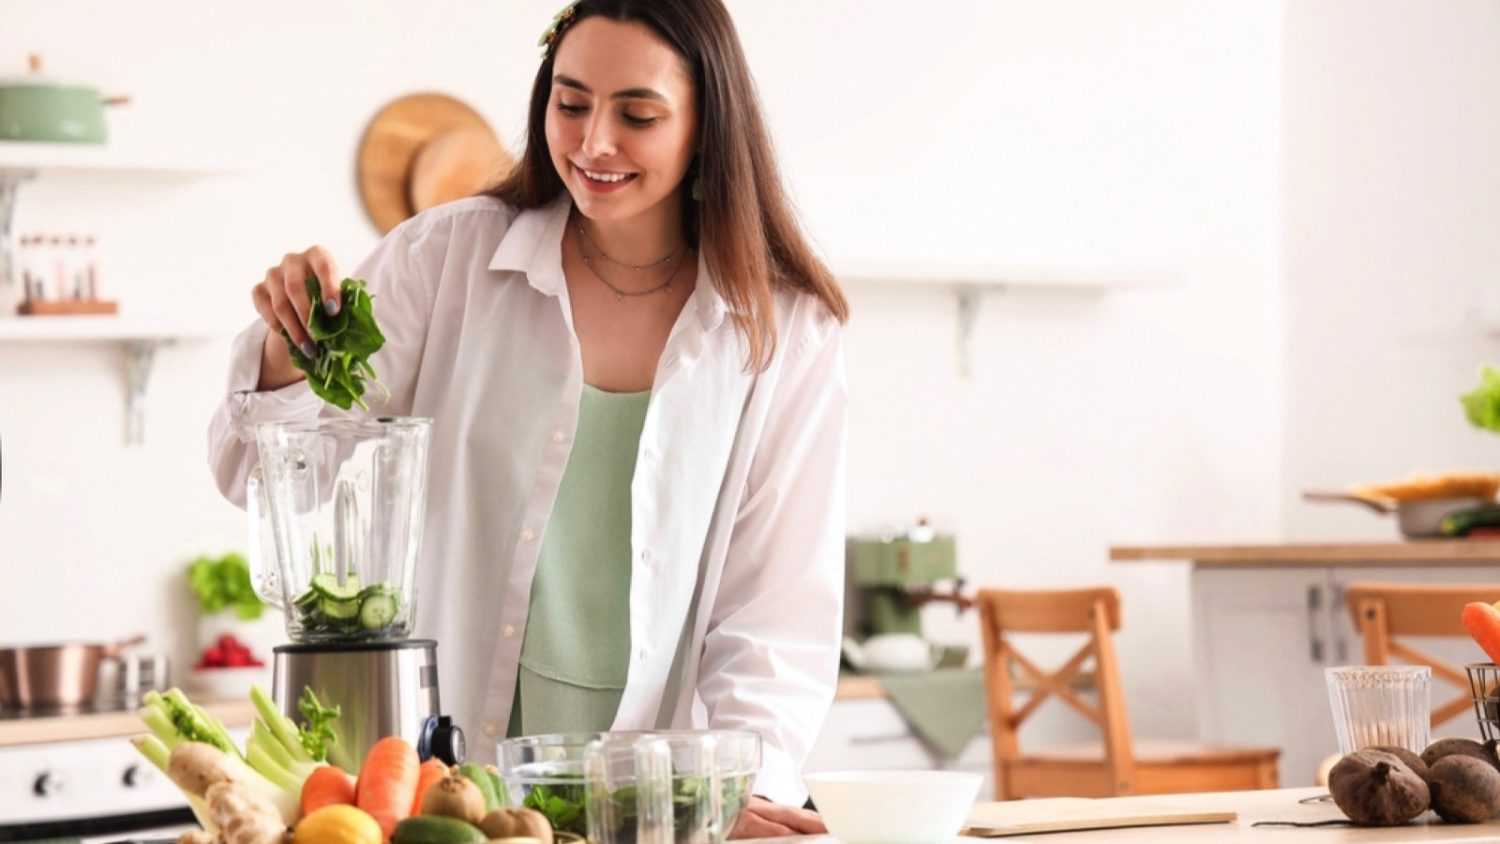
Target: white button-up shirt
[[737, 504]]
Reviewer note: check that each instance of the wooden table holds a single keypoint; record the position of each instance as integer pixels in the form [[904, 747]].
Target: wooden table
[[1252, 806]]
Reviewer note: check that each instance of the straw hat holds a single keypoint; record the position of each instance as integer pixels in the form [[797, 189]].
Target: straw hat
[[422, 150]]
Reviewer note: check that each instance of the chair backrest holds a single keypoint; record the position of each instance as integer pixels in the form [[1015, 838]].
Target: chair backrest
[[1381, 611], [1092, 611]]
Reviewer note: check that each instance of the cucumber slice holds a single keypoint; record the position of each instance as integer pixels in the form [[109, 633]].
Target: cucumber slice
[[338, 610], [307, 600], [328, 587], [377, 611]]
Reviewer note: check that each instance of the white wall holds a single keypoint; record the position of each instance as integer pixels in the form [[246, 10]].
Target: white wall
[[1390, 244], [1117, 136]]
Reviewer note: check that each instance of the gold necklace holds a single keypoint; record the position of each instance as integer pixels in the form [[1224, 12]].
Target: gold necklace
[[620, 295], [605, 255]]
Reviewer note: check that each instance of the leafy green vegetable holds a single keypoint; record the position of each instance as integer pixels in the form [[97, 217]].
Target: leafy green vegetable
[[224, 583], [344, 343], [1482, 405], [316, 734], [565, 804]]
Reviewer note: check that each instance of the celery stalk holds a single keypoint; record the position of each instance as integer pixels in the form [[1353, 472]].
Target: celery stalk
[[280, 726]]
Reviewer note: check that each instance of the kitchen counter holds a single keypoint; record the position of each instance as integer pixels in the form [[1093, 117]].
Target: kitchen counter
[[1251, 806], [1429, 552], [95, 725]]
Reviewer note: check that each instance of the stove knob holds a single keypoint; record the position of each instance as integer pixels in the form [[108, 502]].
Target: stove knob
[[136, 777], [48, 784]]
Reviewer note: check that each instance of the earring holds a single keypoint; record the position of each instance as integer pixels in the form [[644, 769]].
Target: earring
[[697, 189]]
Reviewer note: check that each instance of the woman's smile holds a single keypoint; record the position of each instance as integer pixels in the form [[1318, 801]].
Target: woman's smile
[[602, 181]]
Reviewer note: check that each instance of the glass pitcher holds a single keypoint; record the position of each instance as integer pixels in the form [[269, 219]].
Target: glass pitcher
[[336, 512]]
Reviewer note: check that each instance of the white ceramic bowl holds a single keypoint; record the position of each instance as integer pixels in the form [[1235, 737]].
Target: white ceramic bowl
[[894, 807]]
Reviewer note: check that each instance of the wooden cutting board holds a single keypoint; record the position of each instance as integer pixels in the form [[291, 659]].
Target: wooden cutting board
[[1067, 814]]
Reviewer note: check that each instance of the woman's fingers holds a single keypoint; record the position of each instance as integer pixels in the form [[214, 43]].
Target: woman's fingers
[[751, 825], [294, 273], [322, 266], [284, 313], [800, 821], [764, 819]]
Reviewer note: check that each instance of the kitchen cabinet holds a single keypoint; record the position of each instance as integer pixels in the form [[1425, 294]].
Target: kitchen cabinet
[[1268, 619], [1261, 641]]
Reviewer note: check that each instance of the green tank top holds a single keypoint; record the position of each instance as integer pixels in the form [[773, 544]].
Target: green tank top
[[576, 650]]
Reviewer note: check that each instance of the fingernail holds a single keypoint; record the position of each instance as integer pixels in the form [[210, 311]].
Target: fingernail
[[331, 305], [310, 350]]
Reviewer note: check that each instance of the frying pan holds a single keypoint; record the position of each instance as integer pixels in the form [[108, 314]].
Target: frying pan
[[1417, 518]]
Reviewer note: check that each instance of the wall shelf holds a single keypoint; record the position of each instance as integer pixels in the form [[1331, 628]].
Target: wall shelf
[[18, 157], [969, 282], [139, 338]]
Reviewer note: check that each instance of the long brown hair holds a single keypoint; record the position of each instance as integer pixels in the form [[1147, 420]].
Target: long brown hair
[[744, 224]]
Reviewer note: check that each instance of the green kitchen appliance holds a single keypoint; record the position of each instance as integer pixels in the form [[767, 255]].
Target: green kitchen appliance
[[890, 579]]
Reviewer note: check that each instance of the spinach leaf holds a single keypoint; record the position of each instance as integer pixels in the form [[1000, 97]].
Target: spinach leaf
[[344, 341]]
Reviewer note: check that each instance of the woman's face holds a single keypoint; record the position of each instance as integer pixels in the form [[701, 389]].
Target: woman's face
[[621, 124]]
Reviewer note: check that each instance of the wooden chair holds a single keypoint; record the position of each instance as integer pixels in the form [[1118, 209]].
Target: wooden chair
[[1383, 610], [1118, 766]]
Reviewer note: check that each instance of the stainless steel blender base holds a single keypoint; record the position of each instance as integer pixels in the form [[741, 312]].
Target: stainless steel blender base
[[381, 688]]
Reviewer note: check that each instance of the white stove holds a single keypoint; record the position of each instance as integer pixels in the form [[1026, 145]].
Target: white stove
[[98, 790]]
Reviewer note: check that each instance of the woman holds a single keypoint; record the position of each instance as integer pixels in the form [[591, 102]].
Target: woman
[[634, 366]]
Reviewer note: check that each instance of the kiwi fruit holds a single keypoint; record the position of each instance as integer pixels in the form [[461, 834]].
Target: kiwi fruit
[[1445, 747], [1374, 788], [1464, 789]]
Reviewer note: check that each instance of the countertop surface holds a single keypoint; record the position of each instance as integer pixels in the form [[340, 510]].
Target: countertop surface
[[98, 725], [1431, 552], [1251, 806]]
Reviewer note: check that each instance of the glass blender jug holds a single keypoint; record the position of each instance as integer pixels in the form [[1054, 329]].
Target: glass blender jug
[[336, 512]]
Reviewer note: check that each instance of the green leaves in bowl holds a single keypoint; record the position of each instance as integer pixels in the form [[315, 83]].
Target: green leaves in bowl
[[344, 343]]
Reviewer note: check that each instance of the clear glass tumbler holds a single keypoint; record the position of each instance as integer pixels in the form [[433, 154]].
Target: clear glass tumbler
[[1381, 705]]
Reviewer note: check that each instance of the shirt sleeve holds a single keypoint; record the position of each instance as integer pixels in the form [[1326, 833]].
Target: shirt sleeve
[[400, 280], [771, 653]]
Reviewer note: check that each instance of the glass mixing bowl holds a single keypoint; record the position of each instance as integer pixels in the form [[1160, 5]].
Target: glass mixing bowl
[[667, 787]]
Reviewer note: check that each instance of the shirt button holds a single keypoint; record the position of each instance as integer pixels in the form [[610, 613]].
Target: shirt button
[[490, 729], [510, 630], [558, 436], [527, 534], [641, 655]]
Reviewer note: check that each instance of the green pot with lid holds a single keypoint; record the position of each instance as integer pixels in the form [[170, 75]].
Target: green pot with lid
[[36, 108]]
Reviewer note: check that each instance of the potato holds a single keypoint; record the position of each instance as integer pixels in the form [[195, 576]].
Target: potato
[[1464, 789], [1373, 788]]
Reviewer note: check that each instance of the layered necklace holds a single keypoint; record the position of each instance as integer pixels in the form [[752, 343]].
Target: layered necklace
[[673, 266]]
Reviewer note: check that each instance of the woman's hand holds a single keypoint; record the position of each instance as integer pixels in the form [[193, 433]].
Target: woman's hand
[[764, 819], [281, 300]]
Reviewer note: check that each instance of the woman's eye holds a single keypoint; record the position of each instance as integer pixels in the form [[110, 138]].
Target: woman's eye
[[633, 120], [571, 108]]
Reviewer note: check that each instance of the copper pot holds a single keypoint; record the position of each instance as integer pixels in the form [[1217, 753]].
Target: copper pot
[[55, 676]]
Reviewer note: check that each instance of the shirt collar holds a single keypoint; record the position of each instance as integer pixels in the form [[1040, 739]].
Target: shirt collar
[[533, 246]]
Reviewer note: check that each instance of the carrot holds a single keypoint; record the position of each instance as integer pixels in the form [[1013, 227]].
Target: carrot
[[326, 786], [388, 782], [431, 771], [1483, 623]]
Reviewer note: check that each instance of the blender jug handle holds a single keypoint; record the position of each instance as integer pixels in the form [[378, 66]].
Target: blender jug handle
[[263, 575]]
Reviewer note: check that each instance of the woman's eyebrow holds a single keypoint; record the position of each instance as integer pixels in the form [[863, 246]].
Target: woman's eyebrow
[[627, 94]]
